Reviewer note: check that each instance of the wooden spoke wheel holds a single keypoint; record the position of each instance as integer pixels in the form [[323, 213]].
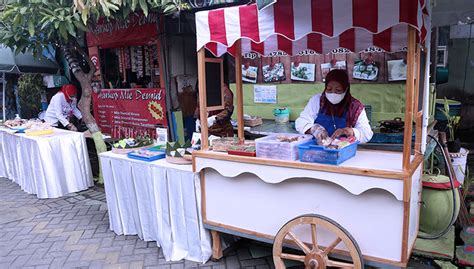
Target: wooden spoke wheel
[[314, 255]]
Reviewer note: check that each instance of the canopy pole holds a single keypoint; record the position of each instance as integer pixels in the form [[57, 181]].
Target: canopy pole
[[4, 86], [410, 84], [238, 86], [201, 58], [407, 136], [426, 92], [416, 107]]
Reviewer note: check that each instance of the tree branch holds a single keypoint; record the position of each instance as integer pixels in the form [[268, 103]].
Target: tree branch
[[92, 69]]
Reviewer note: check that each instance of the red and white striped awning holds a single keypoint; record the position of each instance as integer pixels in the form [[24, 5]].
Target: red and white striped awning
[[293, 26]]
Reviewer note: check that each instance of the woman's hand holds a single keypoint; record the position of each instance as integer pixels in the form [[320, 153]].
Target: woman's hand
[[71, 127], [320, 134], [348, 131]]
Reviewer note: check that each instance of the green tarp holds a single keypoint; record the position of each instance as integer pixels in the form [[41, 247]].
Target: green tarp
[[386, 100]]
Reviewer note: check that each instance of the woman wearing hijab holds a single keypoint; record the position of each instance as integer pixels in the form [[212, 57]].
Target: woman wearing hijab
[[62, 105], [218, 121], [335, 112]]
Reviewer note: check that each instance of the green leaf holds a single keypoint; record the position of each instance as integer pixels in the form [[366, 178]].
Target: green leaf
[[125, 11], [85, 16], [17, 19], [170, 9], [80, 26], [144, 7], [122, 144], [63, 31], [17, 37], [70, 29], [105, 9], [133, 6], [31, 28]]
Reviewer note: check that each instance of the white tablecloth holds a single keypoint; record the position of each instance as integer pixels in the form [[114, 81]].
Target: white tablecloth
[[49, 166], [158, 202]]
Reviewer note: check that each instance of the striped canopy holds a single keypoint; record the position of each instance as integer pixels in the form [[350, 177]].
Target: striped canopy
[[292, 26]]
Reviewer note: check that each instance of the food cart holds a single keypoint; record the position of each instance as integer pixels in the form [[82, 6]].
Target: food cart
[[363, 211]]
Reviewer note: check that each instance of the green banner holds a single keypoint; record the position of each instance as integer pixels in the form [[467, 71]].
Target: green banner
[[261, 4]]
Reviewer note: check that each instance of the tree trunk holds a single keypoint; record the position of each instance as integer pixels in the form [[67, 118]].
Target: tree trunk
[[85, 79]]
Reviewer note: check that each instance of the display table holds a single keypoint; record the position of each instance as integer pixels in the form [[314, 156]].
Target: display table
[[49, 166], [158, 202]]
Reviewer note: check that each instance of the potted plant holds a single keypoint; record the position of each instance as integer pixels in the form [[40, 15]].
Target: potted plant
[[452, 122], [457, 154]]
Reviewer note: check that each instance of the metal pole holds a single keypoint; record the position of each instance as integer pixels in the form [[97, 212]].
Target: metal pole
[[426, 90], [4, 86]]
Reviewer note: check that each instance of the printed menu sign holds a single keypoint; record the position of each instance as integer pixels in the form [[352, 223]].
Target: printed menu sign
[[130, 112]]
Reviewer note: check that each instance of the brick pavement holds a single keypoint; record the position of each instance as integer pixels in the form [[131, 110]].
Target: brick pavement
[[73, 232]]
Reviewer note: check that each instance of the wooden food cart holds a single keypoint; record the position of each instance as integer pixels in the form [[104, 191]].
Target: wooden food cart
[[364, 211]]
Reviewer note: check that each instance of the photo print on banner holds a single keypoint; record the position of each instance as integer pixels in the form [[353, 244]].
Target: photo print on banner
[[366, 69], [273, 72], [397, 70], [326, 67], [249, 73]]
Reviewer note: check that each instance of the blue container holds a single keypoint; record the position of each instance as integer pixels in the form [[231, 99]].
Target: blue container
[[157, 148], [312, 153], [131, 155]]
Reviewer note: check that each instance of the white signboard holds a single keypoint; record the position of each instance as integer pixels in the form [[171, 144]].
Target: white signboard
[[265, 94]]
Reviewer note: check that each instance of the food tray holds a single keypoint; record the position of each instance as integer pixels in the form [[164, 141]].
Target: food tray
[[223, 144], [242, 153], [313, 153], [39, 132], [253, 122], [270, 147], [186, 159], [133, 155]]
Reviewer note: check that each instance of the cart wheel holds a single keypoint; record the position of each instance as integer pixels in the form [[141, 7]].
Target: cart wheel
[[314, 255]]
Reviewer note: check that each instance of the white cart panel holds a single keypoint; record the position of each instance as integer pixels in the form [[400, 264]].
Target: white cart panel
[[416, 189], [276, 174], [374, 218]]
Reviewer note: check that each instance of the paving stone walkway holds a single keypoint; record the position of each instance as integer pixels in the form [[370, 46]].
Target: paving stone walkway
[[73, 232]]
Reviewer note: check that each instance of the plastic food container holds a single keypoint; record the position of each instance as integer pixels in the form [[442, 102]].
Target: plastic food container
[[242, 150], [282, 115], [313, 153], [223, 144], [273, 148], [146, 155]]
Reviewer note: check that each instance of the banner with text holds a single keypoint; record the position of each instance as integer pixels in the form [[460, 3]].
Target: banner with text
[[130, 112]]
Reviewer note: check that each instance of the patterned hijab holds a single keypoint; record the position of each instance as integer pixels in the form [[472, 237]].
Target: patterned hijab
[[349, 104]]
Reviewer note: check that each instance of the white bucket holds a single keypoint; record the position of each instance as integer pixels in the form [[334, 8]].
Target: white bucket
[[459, 164]]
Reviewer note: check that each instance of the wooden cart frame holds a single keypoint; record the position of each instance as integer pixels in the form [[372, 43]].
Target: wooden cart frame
[[411, 163]]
